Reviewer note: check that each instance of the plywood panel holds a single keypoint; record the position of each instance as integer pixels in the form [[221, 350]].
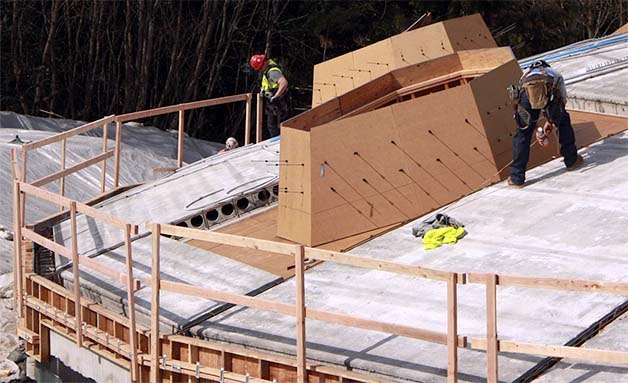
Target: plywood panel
[[376, 58], [491, 97], [367, 92], [485, 58], [469, 32], [294, 185], [420, 45], [326, 86]]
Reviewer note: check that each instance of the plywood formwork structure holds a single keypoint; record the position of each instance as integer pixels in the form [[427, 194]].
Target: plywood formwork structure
[[337, 76], [397, 147]]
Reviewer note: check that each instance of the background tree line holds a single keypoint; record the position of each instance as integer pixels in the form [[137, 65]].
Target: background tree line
[[86, 59]]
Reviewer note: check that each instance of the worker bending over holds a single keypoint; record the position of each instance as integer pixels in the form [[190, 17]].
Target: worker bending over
[[274, 87], [541, 90]]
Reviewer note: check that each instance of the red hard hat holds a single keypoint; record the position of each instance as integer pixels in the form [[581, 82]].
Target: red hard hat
[[257, 62]]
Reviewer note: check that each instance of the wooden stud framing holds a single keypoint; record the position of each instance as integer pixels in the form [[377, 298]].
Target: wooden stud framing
[[258, 118], [117, 148], [299, 257], [155, 350], [76, 276], [131, 298], [491, 329], [103, 178], [452, 328], [180, 138], [247, 122]]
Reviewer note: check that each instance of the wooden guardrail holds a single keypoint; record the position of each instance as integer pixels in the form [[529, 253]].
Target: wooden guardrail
[[180, 109], [492, 344], [115, 152], [21, 189]]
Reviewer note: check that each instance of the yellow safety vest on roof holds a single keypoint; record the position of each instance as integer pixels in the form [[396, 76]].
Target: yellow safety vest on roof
[[268, 85]]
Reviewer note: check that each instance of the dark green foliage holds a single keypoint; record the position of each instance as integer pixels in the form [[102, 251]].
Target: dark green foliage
[[87, 59]]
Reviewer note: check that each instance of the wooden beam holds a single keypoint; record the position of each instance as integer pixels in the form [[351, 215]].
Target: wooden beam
[[117, 148], [67, 134], [103, 178], [108, 271], [47, 243], [45, 195], [558, 284], [177, 107], [491, 329], [65, 172], [247, 122], [105, 217], [62, 184], [299, 257], [76, 279], [17, 241], [452, 328], [375, 264], [155, 286], [389, 328], [131, 298], [180, 138], [242, 300], [229, 239], [258, 118], [586, 354]]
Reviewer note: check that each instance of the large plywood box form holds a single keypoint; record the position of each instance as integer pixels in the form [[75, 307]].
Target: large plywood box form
[[339, 75]]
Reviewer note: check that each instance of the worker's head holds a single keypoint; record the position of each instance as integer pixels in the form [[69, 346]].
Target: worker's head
[[231, 143], [257, 62], [539, 64]]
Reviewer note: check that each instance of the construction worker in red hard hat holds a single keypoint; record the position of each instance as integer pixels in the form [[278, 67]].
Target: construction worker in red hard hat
[[274, 88]]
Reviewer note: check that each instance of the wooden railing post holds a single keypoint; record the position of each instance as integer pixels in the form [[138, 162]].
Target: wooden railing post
[[76, 280], [258, 117], [180, 138], [17, 235], [154, 306], [452, 328], [299, 256], [131, 297], [103, 179], [22, 177], [491, 328], [116, 166], [247, 122], [62, 180]]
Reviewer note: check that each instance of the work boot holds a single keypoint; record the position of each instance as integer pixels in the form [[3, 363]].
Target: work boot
[[514, 184], [576, 164]]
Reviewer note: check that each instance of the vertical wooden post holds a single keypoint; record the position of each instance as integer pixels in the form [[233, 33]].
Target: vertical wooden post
[[62, 181], [299, 256], [258, 122], [23, 179], [103, 179], [154, 306], [491, 328], [181, 136], [44, 343], [17, 235], [116, 166], [131, 298], [452, 328], [247, 123], [76, 280]]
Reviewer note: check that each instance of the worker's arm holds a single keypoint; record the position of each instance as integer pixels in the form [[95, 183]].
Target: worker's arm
[[283, 87]]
